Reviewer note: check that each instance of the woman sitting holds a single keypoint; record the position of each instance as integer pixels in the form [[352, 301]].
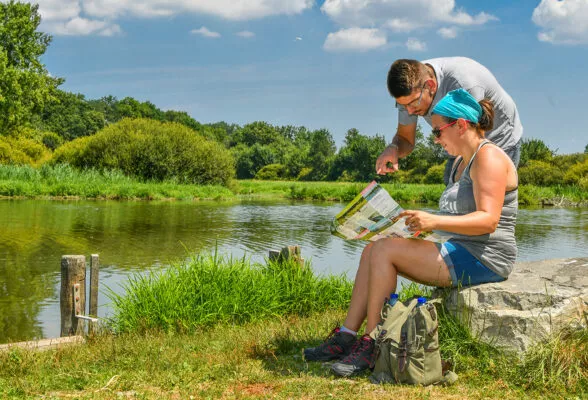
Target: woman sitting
[[478, 208]]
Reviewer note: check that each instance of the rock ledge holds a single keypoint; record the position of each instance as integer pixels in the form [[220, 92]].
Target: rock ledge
[[539, 298]]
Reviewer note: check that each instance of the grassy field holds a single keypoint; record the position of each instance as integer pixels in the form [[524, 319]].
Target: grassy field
[[237, 345], [64, 182]]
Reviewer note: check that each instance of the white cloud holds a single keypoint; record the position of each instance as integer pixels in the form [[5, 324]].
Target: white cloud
[[245, 34], [62, 17], [400, 15], [81, 27], [355, 39], [297, 39], [448, 33], [204, 31], [413, 44], [563, 22]]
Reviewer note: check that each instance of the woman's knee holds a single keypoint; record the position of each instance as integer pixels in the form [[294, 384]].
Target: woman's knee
[[387, 246]]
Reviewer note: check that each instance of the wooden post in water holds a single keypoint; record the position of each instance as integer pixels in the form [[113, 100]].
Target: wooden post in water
[[93, 310], [73, 293], [287, 253]]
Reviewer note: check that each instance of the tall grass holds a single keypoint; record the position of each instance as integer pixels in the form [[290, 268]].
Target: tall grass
[[213, 289], [64, 181]]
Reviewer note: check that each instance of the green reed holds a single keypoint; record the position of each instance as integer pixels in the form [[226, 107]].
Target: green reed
[[213, 289], [64, 181]]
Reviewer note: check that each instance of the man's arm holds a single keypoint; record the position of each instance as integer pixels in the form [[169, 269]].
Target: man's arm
[[401, 146]]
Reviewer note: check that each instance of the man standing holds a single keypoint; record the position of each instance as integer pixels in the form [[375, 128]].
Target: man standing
[[418, 86]]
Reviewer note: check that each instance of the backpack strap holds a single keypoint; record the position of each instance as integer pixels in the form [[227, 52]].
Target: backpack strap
[[403, 345]]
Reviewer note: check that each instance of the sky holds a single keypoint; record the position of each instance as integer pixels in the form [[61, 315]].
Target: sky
[[320, 64]]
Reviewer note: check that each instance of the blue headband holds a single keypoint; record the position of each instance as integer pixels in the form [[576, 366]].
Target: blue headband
[[459, 104]]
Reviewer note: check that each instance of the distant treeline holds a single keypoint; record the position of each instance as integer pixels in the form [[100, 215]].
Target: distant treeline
[[39, 123]]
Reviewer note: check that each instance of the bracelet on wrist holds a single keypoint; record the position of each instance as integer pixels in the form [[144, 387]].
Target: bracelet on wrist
[[393, 146]]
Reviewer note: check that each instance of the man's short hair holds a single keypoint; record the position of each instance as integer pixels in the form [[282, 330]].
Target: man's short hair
[[404, 76]]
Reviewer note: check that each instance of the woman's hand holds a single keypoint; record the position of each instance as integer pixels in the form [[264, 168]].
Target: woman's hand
[[419, 220]]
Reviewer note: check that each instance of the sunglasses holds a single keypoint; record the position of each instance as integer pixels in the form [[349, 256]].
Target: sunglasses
[[415, 102], [437, 131]]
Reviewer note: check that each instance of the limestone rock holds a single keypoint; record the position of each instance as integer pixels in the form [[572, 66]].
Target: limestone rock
[[539, 298]]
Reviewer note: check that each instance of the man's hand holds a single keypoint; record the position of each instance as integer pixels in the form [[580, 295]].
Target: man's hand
[[419, 220], [387, 161]]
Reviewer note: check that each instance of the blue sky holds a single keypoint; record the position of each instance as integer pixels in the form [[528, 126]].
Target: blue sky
[[321, 64]]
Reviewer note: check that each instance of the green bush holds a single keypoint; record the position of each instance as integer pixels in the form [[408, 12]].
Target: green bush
[[540, 173], [271, 172], [305, 174], [434, 174], [576, 173], [10, 156], [565, 161], [51, 140], [21, 151], [151, 150]]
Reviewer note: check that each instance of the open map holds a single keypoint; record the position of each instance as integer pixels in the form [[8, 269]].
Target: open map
[[373, 215]]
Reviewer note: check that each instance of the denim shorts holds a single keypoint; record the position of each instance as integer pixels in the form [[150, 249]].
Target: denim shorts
[[465, 269]]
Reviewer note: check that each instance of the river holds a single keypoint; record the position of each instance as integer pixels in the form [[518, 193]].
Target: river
[[137, 236]]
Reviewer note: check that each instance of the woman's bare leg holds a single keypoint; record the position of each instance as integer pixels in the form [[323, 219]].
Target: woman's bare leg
[[417, 260], [359, 297]]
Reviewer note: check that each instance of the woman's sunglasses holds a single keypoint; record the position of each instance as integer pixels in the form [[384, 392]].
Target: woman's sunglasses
[[437, 131]]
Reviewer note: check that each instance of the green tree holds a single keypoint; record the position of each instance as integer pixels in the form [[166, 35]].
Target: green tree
[[586, 149], [535, 149], [258, 132], [356, 160], [70, 116], [321, 152], [25, 84]]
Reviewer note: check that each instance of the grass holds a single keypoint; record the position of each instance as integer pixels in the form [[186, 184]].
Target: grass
[[215, 289], [251, 349], [63, 181]]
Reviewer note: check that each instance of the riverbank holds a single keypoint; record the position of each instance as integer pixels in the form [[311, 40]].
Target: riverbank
[[251, 351], [63, 182]]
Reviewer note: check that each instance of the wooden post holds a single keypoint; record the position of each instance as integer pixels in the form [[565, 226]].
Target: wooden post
[[73, 292], [287, 253], [94, 271]]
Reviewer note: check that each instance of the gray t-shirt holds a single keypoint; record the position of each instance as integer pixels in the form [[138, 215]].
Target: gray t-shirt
[[461, 72]]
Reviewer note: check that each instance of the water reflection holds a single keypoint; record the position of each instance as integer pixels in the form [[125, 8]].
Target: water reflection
[[135, 236]]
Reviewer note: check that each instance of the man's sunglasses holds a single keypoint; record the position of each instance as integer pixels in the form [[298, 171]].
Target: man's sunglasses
[[437, 131], [414, 103]]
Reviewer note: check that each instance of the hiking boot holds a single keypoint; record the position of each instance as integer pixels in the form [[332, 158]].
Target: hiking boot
[[337, 345], [360, 359]]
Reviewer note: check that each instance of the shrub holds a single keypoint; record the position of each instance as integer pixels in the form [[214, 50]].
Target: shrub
[[434, 174], [11, 156], [305, 174], [151, 150], [51, 140], [539, 173], [576, 173], [565, 161], [271, 172], [20, 151]]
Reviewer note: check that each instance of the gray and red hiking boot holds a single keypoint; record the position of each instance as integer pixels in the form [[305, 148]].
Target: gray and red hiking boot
[[360, 359], [337, 345]]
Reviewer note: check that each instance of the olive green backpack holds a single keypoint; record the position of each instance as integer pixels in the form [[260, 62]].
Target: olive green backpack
[[407, 345]]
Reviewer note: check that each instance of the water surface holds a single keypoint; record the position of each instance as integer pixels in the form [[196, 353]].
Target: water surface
[[138, 236]]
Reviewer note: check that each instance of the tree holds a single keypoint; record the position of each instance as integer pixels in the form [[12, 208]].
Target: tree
[[25, 84], [586, 149], [535, 149], [321, 152], [70, 116], [356, 160]]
